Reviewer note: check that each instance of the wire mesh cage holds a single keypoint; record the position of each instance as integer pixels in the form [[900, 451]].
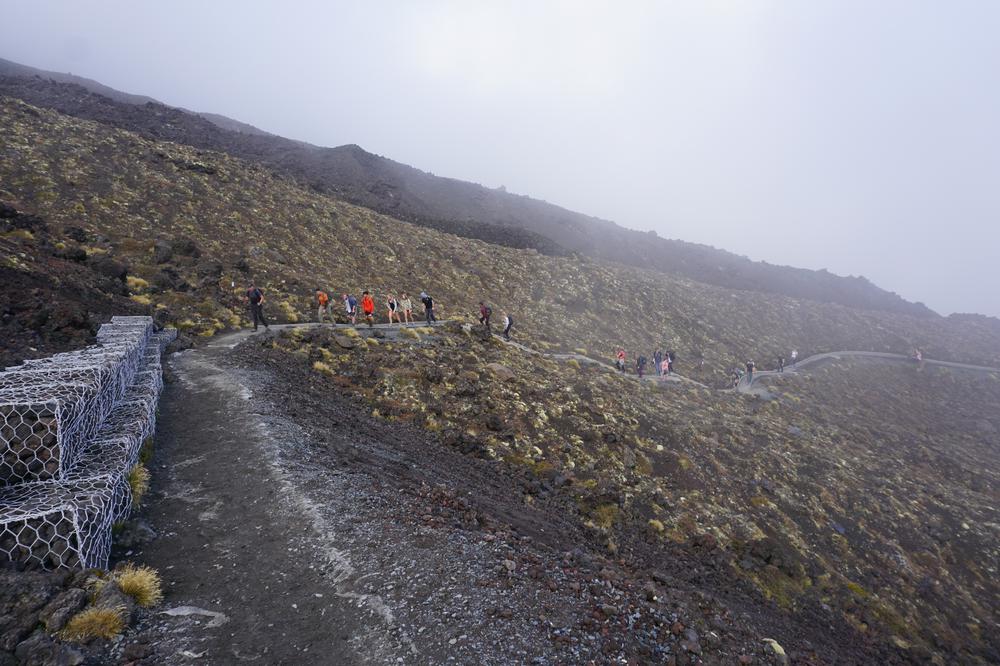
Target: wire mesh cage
[[71, 431]]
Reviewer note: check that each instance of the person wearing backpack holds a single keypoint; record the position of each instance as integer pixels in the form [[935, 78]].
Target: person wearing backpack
[[322, 303], [640, 366], [255, 298], [750, 368], [485, 312], [351, 306], [428, 306], [658, 362], [368, 308], [620, 359], [507, 324]]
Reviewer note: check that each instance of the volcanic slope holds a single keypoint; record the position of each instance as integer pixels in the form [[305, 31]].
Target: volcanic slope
[[860, 494], [188, 224], [467, 209]]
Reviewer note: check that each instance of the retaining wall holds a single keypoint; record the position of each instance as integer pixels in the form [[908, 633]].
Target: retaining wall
[[71, 429]]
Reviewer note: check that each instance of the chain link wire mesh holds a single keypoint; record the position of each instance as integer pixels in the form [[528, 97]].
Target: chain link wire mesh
[[72, 428]]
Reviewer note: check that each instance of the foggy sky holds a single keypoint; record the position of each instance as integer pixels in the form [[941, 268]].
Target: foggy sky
[[855, 136]]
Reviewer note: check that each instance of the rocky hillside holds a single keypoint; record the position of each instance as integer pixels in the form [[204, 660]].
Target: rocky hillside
[[189, 224], [868, 511], [470, 210]]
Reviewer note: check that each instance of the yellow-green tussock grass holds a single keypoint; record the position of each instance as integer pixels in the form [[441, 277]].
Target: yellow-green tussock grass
[[141, 299], [320, 366], [581, 351], [351, 332], [138, 481], [136, 283], [424, 330], [656, 525], [373, 342], [93, 623], [142, 583], [410, 333]]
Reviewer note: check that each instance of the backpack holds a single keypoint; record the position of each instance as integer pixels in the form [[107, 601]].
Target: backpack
[[353, 302]]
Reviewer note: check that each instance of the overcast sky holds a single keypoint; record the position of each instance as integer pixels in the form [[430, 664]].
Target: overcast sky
[[861, 137]]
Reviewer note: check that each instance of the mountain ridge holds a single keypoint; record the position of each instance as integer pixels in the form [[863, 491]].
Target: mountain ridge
[[447, 204]]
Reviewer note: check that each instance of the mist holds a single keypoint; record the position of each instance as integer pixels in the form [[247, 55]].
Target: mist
[[857, 137]]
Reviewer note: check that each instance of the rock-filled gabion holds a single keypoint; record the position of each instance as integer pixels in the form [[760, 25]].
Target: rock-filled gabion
[[71, 430]]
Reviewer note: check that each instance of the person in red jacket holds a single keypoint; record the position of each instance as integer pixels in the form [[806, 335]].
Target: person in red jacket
[[368, 308]]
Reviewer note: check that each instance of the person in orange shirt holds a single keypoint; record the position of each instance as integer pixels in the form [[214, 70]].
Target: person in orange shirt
[[368, 308], [322, 301]]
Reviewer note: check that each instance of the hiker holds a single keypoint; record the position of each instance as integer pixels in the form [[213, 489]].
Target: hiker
[[670, 362], [640, 366], [737, 376], [485, 312], [664, 367], [781, 364], [658, 362], [392, 305], [351, 306], [428, 306], [255, 298], [368, 308], [407, 306], [620, 359], [322, 303], [507, 324], [795, 356], [750, 368]]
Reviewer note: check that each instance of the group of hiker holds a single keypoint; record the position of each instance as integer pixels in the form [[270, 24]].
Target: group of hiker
[[398, 309], [663, 362]]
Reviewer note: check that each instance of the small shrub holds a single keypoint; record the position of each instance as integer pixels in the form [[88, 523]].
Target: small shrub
[[372, 342], [146, 452], [141, 299], [320, 366], [93, 623], [352, 333], [581, 351], [410, 333], [142, 583], [138, 481], [136, 283], [657, 526]]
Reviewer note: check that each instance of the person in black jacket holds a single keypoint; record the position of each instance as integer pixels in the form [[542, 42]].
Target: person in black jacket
[[255, 298], [428, 306]]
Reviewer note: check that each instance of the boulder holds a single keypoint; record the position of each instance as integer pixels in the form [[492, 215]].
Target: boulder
[[163, 252], [65, 605]]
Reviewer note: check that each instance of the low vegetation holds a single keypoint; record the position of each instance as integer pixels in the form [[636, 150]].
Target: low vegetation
[[94, 622], [142, 583]]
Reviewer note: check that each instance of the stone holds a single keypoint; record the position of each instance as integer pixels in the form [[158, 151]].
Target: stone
[[162, 252], [111, 596], [65, 605], [344, 342], [136, 533], [40, 650]]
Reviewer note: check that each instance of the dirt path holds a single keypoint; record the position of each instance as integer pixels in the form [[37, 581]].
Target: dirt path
[[233, 541]]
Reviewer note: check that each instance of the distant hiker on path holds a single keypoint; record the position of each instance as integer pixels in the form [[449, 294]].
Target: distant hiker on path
[[664, 367], [507, 324], [750, 367], [620, 359], [795, 356], [428, 306], [670, 362], [322, 303], [658, 362], [392, 306], [640, 366], [368, 308], [255, 298], [407, 306], [781, 364], [485, 312], [351, 306], [737, 376]]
